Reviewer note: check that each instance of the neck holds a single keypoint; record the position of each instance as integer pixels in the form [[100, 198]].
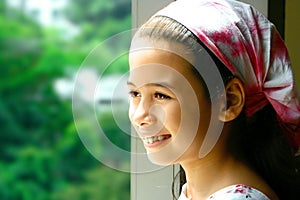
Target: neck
[[207, 175]]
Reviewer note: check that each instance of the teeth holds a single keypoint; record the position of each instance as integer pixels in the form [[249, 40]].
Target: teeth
[[151, 140], [160, 138]]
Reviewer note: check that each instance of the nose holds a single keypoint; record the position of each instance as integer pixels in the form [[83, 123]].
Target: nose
[[140, 113]]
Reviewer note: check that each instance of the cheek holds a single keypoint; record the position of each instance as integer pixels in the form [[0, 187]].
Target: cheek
[[173, 117], [131, 110], [187, 119]]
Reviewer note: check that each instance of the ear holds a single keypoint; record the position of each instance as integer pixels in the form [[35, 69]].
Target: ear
[[235, 100]]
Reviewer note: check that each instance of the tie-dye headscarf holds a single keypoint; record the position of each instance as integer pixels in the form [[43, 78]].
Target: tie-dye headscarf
[[251, 48]]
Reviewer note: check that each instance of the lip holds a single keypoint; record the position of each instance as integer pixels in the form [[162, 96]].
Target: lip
[[156, 140]]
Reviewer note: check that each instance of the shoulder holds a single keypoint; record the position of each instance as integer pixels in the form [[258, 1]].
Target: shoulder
[[238, 192]]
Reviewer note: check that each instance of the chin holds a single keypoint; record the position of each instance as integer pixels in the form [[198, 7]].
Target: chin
[[159, 158]]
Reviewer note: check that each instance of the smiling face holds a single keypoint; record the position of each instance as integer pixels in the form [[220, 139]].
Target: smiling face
[[169, 108]]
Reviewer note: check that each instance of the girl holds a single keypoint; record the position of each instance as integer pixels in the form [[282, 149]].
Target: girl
[[211, 88]]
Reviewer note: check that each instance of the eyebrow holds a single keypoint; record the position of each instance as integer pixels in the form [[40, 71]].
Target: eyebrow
[[158, 84]]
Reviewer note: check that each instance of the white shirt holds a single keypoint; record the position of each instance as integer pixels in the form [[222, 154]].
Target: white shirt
[[233, 192]]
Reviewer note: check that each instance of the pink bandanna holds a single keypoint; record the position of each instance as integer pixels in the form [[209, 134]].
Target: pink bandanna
[[252, 49]]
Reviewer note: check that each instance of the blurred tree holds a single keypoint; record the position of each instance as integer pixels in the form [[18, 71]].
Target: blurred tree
[[33, 118], [99, 184], [99, 19], [41, 155], [18, 59], [97, 12]]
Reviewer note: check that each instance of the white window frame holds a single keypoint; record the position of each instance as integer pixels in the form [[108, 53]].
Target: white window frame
[[157, 184]]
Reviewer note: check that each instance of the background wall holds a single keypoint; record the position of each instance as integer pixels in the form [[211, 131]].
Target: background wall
[[292, 33]]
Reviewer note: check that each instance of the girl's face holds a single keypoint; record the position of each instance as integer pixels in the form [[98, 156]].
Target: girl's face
[[169, 108]]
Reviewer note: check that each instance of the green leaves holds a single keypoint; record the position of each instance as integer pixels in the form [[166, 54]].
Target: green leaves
[[41, 154]]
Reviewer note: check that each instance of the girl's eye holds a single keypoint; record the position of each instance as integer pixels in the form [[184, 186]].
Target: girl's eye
[[161, 96], [134, 94]]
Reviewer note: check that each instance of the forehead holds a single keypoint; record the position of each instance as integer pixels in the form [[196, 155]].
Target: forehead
[[163, 47], [155, 65]]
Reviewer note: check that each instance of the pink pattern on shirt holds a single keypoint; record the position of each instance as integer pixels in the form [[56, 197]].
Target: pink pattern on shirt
[[233, 192]]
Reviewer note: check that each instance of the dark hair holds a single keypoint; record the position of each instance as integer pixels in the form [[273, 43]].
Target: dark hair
[[262, 144]]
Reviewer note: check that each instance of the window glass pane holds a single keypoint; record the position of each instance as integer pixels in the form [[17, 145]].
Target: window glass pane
[[54, 125]]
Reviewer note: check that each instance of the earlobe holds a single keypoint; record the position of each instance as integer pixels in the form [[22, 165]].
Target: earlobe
[[235, 100]]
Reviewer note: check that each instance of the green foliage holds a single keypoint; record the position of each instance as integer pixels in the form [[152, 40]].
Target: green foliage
[[30, 176], [96, 12], [41, 155], [118, 66], [116, 135], [100, 183], [99, 20], [20, 49]]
